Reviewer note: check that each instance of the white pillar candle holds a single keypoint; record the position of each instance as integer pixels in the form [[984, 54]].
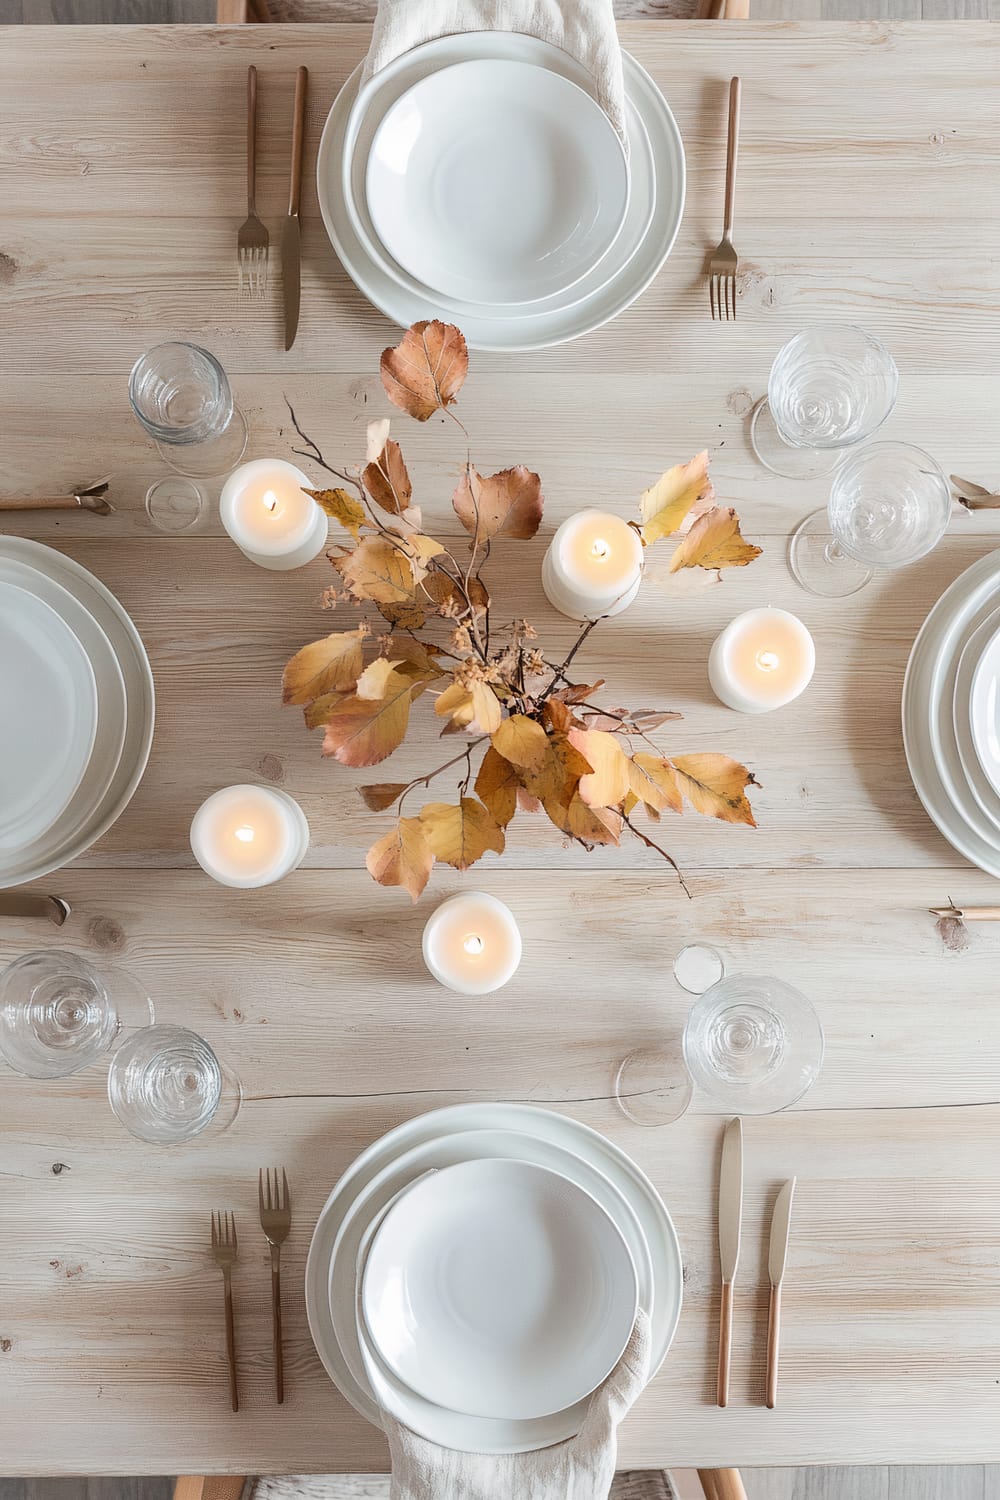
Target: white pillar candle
[[266, 512], [249, 835], [593, 566], [762, 660], [472, 943]]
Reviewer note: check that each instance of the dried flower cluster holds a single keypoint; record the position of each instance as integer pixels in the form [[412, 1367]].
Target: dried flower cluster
[[543, 744]]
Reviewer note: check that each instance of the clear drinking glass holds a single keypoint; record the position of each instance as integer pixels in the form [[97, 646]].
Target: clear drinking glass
[[166, 1085], [652, 1085], [831, 386], [753, 1045], [59, 1014], [181, 396], [889, 505]]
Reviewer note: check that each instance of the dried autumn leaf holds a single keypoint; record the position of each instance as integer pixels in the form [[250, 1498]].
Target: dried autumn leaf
[[424, 373], [497, 786], [376, 436], [421, 550], [322, 666], [409, 614], [665, 505], [382, 794], [387, 481], [421, 656], [653, 782], [593, 825], [342, 507], [402, 857], [470, 705], [522, 741], [715, 785], [550, 766], [714, 541], [363, 731], [461, 835], [449, 599], [505, 504], [607, 783], [378, 570], [378, 678], [317, 713]]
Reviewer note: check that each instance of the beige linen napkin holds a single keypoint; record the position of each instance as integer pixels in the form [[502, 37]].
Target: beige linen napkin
[[583, 28], [582, 1468]]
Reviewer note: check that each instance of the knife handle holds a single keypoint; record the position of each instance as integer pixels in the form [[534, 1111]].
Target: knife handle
[[773, 1337], [298, 137], [725, 1342]]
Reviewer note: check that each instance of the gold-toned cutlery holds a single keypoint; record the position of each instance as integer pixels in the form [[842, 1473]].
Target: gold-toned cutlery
[[224, 1252], [27, 904], [967, 913], [974, 496], [252, 243], [291, 246], [92, 497], [777, 1255], [725, 262], [275, 1220], [730, 1222]]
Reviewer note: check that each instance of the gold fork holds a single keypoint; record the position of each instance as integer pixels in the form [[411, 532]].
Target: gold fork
[[224, 1249], [252, 240], [725, 262], [275, 1220]]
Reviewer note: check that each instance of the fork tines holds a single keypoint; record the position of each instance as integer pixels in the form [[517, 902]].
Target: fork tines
[[253, 270], [224, 1231], [272, 1195], [722, 295]]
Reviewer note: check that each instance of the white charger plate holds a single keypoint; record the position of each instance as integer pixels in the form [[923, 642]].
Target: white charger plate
[[499, 1288], [984, 711], [379, 94], [624, 274], [48, 715], [60, 845], [330, 1277], [968, 664], [496, 182]]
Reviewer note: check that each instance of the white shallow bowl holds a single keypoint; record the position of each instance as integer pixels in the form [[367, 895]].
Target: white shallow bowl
[[967, 667], [496, 182], [501, 1289], [984, 710]]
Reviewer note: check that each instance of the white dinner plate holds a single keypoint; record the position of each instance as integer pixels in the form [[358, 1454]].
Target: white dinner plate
[[968, 662], [497, 182], [620, 278], [501, 1289], [984, 711], [330, 1289], [60, 845], [48, 715]]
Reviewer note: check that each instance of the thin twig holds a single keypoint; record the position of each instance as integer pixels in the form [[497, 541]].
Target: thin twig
[[560, 672], [656, 848], [426, 780]]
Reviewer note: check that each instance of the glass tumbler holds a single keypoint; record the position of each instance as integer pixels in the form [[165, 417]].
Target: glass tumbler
[[166, 1085], [58, 1013], [652, 1085], [830, 387], [889, 505], [181, 396], [753, 1045]]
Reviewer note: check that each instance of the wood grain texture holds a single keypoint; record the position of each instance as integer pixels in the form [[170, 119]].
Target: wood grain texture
[[120, 210]]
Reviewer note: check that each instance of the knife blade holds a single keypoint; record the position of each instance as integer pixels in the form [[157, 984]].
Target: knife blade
[[730, 1222], [291, 247], [777, 1255]]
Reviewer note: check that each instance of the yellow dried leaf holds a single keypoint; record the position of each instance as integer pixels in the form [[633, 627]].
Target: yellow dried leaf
[[379, 678], [421, 550], [594, 825], [470, 706], [342, 507], [665, 504], [714, 541], [387, 481], [317, 713], [505, 504], [424, 373], [522, 741], [322, 666], [378, 570], [363, 731], [459, 836], [652, 781], [715, 785], [607, 784], [402, 857], [497, 786]]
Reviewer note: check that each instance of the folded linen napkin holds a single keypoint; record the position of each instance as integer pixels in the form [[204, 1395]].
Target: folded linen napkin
[[582, 1468], [583, 28]]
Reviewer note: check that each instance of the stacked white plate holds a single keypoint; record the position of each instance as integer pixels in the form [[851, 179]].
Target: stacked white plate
[[475, 179], [76, 722], [411, 1292], [951, 714]]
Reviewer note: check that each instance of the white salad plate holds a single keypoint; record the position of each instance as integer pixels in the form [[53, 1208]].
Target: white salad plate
[[499, 1288], [984, 710], [48, 715], [965, 674], [496, 182], [656, 203], [85, 822], [441, 1139]]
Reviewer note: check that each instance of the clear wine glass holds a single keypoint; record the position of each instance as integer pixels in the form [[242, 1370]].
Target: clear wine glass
[[58, 1013], [753, 1045], [830, 387], [181, 396], [653, 1085], [889, 505], [166, 1085]]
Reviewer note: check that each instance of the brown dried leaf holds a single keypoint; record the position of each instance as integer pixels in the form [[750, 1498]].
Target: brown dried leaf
[[647, 719], [387, 481], [446, 596], [378, 570], [342, 507], [665, 505], [559, 717], [421, 656], [653, 782], [473, 706], [506, 504], [424, 373], [322, 666], [458, 836], [497, 786], [594, 825], [607, 784], [714, 785], [381, 794], [402, 857], [363, 731], [408, 615], [714, 541]]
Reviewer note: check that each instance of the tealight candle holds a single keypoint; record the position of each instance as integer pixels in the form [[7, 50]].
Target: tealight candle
[[249, 835], [762, 660], [593, 566], [472, 943], [266, 512]]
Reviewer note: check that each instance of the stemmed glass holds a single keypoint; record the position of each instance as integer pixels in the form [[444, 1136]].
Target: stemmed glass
[[830, 387], [752, 1045], [58, 1013], [889, 505], [181, 396], [166, 1085], [653, 1085]]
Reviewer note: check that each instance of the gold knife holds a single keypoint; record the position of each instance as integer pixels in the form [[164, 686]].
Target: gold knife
[[776, 1257], [730, 1220], [291, 250], [27, 904]]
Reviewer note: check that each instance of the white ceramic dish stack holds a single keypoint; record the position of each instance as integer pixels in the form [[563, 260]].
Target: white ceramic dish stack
[[78, 709], [515, 1162]]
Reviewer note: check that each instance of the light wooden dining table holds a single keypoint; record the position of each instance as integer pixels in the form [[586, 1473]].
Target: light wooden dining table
[[869, 191]]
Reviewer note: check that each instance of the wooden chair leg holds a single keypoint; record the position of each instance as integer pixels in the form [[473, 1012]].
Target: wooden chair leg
[[232, 12], [724, 10], [209, 1487], [722, 1484]]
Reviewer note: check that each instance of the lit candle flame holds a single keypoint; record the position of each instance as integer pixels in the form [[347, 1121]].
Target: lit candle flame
[[270, 500], [767, 661], [245, 834], [473, 944], [600, 549]]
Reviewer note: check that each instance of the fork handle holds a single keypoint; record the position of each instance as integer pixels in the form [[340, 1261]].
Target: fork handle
[[251, 138], [732, 151], [231, 1345], [298, 137], [279, 1358]]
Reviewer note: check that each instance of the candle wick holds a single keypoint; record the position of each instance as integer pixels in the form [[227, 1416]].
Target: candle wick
[[600, 549], [245, 834], [473, 944], [768, 660], [270, 500]]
